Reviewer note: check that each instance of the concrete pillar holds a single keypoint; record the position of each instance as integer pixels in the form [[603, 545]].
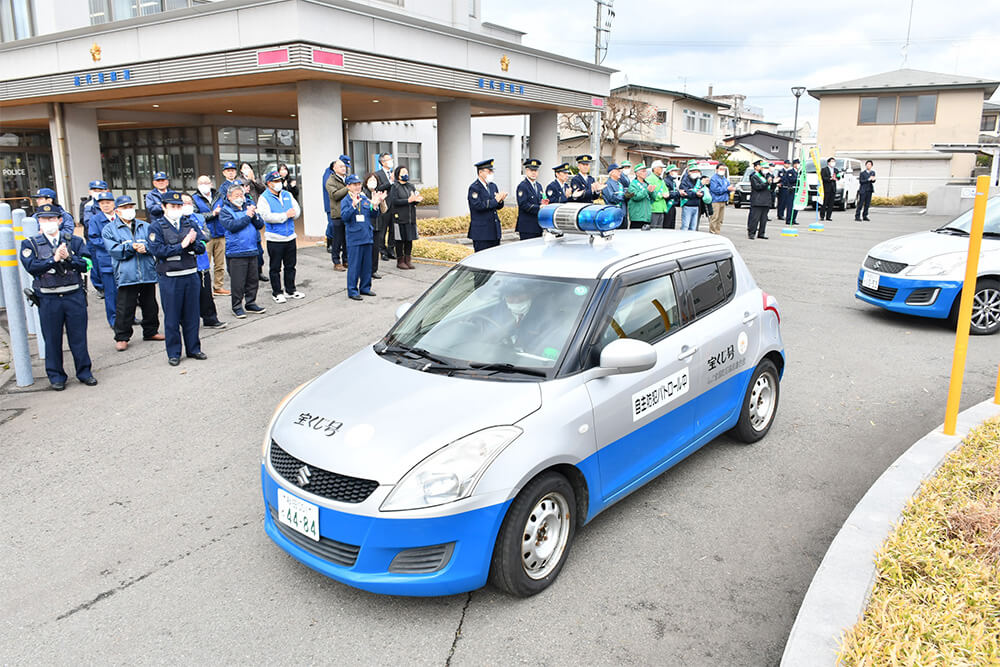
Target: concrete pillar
[[321, 136], [454, 144], [83, 153], [544, 144]]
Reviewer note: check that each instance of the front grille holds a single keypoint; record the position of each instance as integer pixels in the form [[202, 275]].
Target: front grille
[[322, 483], [923, 296], [336, 552], [422, 560], [883, 293], [883, 265]]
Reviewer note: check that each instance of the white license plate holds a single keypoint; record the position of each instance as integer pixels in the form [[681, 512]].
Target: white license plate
[[870, 280], [298, 515]]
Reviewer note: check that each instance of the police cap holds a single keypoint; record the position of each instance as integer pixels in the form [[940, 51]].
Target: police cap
[[48, 211], [46, 192], [97, 185], [564, 167], [172, 197], [160, 176], [584, 159], [124, 200], [346, 159], [352, 178], [104, 196], [485, 164], [532, 163], [228, 165]]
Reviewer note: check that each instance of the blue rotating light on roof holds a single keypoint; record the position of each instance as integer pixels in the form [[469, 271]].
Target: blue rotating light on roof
[[580, 218]]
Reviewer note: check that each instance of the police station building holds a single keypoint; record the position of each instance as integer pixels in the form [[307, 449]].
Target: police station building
[[122, 88]]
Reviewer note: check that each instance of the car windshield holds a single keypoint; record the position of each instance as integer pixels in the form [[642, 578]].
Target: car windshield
[[475, 320], [963, 223]]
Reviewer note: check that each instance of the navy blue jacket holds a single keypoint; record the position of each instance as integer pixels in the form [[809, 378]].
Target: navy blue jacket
[[556, 193], [585, 183], [242, 235], [154, 203], [865, 181], [788, 178], [95, 238], [37, 258], [131, 267], [165, 244], [484, 223], [358, 232], [529, 200], [614, 193], [693, 190]]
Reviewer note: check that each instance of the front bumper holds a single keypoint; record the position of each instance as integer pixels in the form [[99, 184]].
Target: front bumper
[[894, 292], [379, 540]]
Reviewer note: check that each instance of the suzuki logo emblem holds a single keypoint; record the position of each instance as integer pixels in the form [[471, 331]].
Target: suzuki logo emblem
[[878, 265], [303, 477]]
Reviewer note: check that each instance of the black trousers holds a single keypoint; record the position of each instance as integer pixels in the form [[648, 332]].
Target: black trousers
[[757, 220], [382, 237], [243, 279], [338, 244], [209, 315], [864, 201], [405, 248], [59, 312], [829, 195], [485, 245], [670, 218], [130, 296], [281, 254]]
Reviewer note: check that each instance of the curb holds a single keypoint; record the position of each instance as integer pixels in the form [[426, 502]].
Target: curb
[[838, 594]]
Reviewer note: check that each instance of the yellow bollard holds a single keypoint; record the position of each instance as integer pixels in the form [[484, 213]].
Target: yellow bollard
[[965, 305]]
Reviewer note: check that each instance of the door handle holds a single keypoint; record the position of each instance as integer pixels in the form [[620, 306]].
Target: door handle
[[749, 317], [687, 352]]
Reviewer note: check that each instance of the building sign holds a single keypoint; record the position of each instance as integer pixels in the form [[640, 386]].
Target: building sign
[[272, 57], [501, 86], [113, 76], [597, 102], [330, 58], [15, 172]]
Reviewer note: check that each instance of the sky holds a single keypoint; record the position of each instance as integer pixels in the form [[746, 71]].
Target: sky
[[760, 49]]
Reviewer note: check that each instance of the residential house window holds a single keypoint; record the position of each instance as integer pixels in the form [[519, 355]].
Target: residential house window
[[661, 116], [105, 11], [774, 149], [690, 121], [988, 123], [897, 110], [16, 20], [705, 123], [408, 155]]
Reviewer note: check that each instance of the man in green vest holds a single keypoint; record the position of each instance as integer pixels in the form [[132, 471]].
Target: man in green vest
[[657, 195], [641, 192]]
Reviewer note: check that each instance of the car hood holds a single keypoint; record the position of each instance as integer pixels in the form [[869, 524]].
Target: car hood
[[914, 248], [391, 416]]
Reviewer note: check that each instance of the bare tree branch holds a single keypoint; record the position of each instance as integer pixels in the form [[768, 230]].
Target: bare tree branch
[[620, 117]]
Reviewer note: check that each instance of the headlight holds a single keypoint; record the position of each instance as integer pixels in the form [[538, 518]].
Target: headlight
[[451, 472], [939, 265], [274, 418]]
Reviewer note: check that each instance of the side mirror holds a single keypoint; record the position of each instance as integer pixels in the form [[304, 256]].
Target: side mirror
[[403, 307], [626, 355]]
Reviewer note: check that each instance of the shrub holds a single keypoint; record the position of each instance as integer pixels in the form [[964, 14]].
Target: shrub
[[918, 199], [440, 250], [430, 197], [459, 224]]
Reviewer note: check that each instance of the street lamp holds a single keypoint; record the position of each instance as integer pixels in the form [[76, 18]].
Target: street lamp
[[797, 91]]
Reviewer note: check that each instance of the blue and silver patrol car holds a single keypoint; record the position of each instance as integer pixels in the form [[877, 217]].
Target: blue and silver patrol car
[[922, 274], [530, 388]]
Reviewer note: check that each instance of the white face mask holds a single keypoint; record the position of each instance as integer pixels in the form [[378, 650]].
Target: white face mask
[[238, 202], [627, 172], [187, 209], [490, 177], [49, 226], [172, 214], [519, 308], [389, 165], [205, 189], [126, 213], [275, 185], [371, 184]]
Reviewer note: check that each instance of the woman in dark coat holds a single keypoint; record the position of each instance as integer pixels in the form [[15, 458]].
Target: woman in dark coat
[[288, 181], [403, 200], [370, 186]]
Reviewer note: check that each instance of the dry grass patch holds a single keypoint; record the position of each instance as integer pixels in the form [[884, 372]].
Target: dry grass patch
[[936, 599], [440, 250]]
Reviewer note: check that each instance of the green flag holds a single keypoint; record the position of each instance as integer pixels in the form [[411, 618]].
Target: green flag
[[801, 186]]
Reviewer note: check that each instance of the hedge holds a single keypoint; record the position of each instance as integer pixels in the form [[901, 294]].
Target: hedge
[[459, 224], [430, 197], [918, 199], [441, 250]]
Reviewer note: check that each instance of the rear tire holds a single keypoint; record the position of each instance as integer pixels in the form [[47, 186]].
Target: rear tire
[[535, 537], [760, 403], [985, 308]]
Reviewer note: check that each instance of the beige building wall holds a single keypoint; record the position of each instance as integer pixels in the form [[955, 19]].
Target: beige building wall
[[956, 121]]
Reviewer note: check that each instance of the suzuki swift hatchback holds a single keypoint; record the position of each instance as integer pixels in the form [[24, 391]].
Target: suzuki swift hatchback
[[530, 388]]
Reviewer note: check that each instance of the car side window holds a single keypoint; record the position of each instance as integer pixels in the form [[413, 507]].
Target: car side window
[[647, 311], [706, 286], [728, 279]]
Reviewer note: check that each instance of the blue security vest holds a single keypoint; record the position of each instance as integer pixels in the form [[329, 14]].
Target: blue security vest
[[63, 277], [279, 204]]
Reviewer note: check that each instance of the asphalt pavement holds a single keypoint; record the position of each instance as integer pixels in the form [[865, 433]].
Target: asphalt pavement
[[134, 517]]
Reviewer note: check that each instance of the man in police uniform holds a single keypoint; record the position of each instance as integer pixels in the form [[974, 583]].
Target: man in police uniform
[[229, 174], [154, 198], [788, 178], [48, 196], [529, 199], [56, 260], [485, 199], [174, 240], [583, 188], [557, 192]]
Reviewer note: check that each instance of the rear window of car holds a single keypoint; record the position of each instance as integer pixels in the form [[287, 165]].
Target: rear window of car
[[710, 284]]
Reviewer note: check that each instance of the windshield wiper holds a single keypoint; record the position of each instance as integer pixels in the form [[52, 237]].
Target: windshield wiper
[[436, 363], [508, 368], [952, 230]]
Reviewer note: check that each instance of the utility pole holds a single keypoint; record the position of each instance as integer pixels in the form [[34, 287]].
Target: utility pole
[[797, 91], [602, 35]]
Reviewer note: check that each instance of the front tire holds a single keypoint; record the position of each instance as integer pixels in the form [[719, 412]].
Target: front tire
[[535, 537], [760, 403], [985, 308]]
